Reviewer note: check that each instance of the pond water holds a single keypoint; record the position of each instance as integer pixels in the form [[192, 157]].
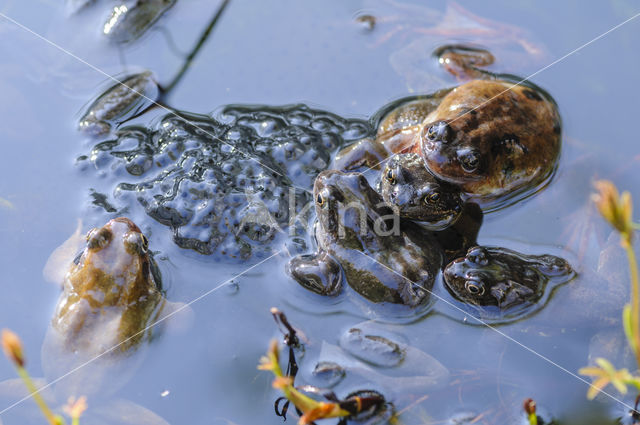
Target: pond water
[[318, 54]]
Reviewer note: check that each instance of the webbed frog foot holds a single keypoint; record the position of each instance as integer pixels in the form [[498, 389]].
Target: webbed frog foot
[[318, 273], [464, 62]]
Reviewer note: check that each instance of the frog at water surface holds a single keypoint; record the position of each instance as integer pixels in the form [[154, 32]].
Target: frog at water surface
[[109, 293], [492, 277], [381, 257], [491, 138], [407, 184], [111, 296]]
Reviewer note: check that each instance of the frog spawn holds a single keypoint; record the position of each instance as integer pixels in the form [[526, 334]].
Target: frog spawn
[[226, 185]]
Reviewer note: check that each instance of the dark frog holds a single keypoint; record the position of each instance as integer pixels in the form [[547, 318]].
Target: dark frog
[[360, 239], [502, 282], [406, 183]]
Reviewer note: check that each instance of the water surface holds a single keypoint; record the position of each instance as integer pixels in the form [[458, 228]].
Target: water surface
[[293, 52]]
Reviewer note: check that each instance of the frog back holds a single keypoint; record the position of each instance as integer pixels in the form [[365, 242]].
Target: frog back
[[498, 139]]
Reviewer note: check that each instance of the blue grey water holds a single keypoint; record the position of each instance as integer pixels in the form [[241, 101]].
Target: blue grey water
[[286, 52]]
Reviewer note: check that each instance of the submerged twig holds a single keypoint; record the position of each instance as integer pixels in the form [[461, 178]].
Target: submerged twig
[[187, 63], [356, 403]]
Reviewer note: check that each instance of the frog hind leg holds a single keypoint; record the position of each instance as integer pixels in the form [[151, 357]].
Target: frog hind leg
[[465, 62], [318, 273], [363, 153]]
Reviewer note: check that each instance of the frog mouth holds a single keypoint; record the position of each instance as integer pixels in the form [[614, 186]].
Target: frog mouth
[[510, 293]]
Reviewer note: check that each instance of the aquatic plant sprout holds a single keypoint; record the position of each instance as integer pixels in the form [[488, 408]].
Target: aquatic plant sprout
[[312, 409], [530, 410], [12, 347], [617, 210]]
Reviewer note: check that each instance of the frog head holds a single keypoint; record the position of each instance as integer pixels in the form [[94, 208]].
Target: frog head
[[348, 209], [452, 153], [406, 183]]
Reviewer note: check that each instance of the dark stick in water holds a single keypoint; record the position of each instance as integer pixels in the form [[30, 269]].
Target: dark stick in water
[[203, 38]]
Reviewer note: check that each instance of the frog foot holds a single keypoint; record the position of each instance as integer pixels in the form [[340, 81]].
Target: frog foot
[[464, 62], [318, 273]]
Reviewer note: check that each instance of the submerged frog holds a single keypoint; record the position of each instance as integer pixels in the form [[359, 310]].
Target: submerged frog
[[503, 282], [110, 293], [407, 184], [381, 257], [111, 297], [491, 138]]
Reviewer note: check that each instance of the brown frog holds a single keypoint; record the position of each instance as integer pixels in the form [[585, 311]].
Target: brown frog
[[110, 284], [490, 137], [111, 295]]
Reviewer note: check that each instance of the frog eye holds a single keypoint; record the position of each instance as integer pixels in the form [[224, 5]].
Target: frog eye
[[478, 256], [145, 243], [432, 198], [391, 176], [98, 238], [136, 243], [474, 288], [320, 199], [469, 161]]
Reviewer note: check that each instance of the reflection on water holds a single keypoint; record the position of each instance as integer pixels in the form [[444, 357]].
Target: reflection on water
[[209, 371]]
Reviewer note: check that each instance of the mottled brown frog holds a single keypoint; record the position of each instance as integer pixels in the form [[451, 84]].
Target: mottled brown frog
[[110, 284], [111, 295], [111, 298], [490, 137]]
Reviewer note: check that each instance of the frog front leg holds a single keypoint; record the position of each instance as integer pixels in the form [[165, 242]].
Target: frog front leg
[[363, 153], [318, 273]]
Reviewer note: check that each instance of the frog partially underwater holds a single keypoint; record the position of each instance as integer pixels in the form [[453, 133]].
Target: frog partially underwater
[[110, 293], [359, 237], [111, 299], [407, 184], [500, 282], [490, 137]]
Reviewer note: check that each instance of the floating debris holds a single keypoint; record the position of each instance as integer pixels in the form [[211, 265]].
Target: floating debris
[[127, 24], [119, 103]]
